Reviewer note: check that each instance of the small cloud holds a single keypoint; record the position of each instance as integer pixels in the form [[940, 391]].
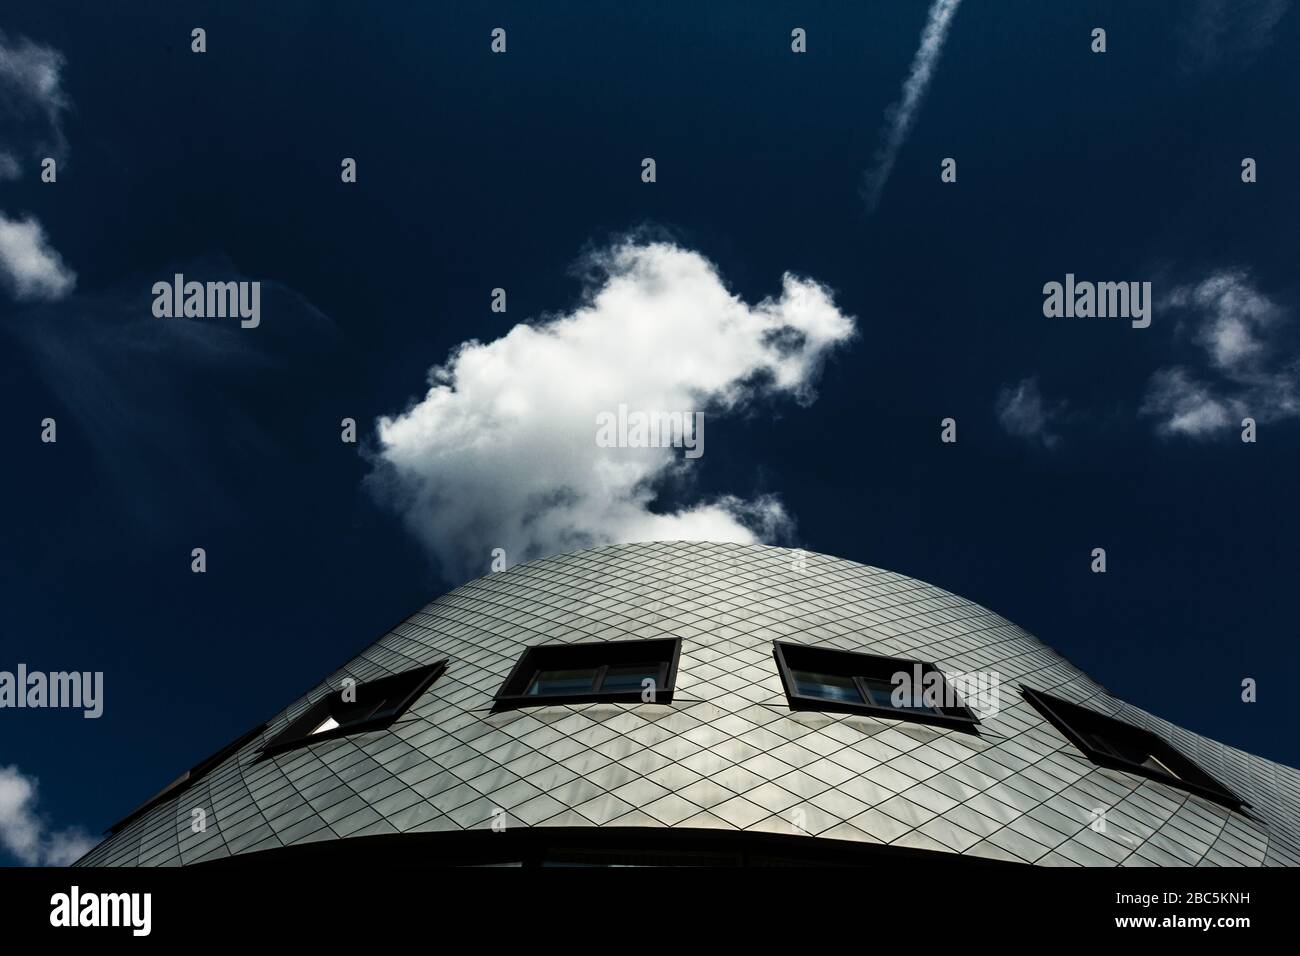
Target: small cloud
[[25, 834], [502, 452], [29, 266], [1236, 327], [1186, 406], [1023, 413], [1235, 316]]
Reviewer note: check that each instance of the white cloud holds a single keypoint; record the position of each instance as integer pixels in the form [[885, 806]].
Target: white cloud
[[899, 116], [23, 832], [29, 266], [32, 99], [1234, 315], [501, 451], [1185, 405], [1246, 372], [32, 103], [1023, 413]]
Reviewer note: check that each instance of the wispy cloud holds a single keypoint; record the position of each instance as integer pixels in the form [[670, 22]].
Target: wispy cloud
[[29, 266], [32, 102], [1023, 413], [501, 451], [1246, 370], [1187, 406], [901, 113], [1229, 32], [25, 833], [1233, 315], [188, 396]]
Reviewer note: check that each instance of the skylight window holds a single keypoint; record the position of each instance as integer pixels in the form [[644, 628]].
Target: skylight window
[[1120, 746], [373, 705], [819, 678], [621, 671]]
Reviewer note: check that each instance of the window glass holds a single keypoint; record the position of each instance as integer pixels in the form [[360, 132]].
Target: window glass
[[1111, 742], [574, 681], [591, 671], [882, 695], [376, 705], [829, 679], [630, 677], [1152, 763], [329, 723], [826, 686], [1116, 746]]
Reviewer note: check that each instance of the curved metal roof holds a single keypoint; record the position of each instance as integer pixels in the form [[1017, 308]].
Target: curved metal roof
[[728, 753]]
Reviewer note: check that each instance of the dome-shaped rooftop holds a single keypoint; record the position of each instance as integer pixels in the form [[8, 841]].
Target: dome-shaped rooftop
[[721, 763]]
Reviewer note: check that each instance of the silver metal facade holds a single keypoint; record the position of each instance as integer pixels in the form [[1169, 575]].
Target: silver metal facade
[[727, 753]]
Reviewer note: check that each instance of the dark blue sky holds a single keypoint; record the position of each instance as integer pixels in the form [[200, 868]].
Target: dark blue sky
[[477, 171]]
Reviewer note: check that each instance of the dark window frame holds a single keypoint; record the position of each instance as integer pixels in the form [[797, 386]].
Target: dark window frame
[[858, 666], [1079, 725], [397, 691], [597, 655]]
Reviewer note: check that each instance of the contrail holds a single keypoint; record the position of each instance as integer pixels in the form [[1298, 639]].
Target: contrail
[[899, 116]]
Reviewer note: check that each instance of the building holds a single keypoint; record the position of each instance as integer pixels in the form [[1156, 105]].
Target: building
[[714, 703]]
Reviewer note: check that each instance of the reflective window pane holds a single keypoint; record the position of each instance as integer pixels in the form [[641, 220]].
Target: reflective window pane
[[1130, 750], [882, 695], [617, 670], [826, 686], [1153, 763], [626, 677], [549, 683], [329, 723]]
